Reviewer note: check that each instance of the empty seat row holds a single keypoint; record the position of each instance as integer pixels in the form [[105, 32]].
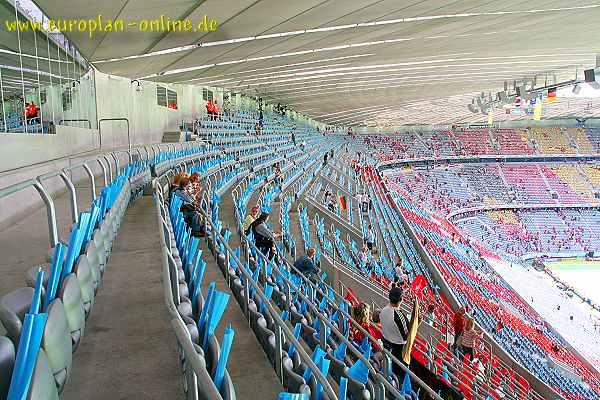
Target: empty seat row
[[67, 288]]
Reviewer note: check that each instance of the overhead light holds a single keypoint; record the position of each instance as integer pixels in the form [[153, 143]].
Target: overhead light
[[576, 89]]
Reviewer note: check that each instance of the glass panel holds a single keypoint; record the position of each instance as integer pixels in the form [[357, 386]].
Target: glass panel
[[44, 80]]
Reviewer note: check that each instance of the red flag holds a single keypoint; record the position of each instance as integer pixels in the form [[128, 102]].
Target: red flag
[[418, 284], [343, 204], [351, 297]]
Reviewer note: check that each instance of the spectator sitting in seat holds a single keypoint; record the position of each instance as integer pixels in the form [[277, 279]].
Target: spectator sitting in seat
[[363, 255], [191, 215], [175, 184], [362, 315], [252, 215], [264, 238], [194, 188], [306, 264]]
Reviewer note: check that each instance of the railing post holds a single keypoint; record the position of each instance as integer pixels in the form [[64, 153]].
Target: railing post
[[50, 212], [73, 195], [110, 170], [103, 171], [322, 334], [92, 180], [278, 353], [118, 169], [380, 391]]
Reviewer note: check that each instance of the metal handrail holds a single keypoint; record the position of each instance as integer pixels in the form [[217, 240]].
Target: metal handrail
[[181, 332], [325, 321], [282, 328], [37, 184]]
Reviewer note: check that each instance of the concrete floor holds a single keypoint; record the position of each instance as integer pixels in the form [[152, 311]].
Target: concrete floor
[[252, 374], [129, 350]]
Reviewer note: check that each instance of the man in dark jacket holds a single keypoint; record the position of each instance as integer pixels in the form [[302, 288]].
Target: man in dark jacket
[[306, 263]]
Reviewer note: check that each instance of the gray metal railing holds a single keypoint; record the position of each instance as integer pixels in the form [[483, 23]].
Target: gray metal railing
[[283, 331]]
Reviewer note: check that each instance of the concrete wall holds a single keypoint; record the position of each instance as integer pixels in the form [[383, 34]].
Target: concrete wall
[[118, 98], [20, 150], [25, 156]]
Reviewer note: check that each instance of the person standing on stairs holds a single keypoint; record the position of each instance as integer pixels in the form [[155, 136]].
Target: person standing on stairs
[[370, 237], [394, 327]]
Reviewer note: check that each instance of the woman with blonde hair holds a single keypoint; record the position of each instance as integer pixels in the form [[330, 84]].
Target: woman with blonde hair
[[175, 183], [362, 315]]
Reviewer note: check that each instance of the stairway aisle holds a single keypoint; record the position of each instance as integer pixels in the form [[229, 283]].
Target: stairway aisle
[[129, 349], [252, 374]]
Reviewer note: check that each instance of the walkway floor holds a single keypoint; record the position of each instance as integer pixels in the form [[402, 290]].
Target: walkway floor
[[129, 349], [252, 374]]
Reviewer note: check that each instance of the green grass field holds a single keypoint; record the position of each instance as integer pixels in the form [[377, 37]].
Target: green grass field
[[574, 264], [581, 274]]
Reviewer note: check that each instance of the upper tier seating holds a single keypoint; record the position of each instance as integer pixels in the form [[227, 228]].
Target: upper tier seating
[[523, 334], [482, 141], [458, 186], [551, 141], [512, 141]]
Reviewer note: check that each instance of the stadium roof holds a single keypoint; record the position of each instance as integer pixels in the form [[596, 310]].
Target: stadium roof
[[347, 62]]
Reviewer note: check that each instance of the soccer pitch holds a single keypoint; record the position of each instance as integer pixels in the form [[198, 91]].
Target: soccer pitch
[[581, 274]]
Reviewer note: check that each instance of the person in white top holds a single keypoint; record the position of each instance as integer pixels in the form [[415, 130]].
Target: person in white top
[[370, 237], [394, 327]]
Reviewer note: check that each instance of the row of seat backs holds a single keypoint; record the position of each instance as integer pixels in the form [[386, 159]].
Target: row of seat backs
[[67, 315], [186, 312], [263, 325]]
